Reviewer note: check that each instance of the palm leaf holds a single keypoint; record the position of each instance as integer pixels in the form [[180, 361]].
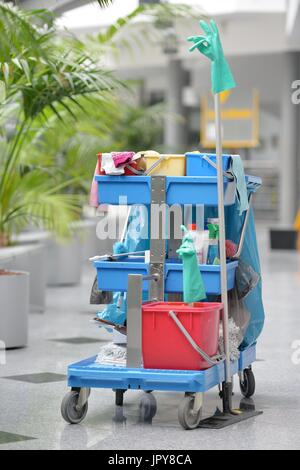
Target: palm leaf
[[33, 197], [20, 35], [128, 32]]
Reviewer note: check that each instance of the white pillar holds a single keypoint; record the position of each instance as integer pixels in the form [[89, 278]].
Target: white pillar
[[175, 129], [289, 137]]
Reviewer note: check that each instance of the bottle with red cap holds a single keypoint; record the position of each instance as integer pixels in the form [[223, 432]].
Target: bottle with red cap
[[200, 238]]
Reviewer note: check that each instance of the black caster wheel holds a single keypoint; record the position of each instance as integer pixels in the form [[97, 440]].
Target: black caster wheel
[[70, 410], [148, 407], [247, 384], [119, 397], [187, 417]]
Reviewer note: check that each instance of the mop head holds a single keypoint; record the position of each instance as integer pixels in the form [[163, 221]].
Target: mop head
[[235, 338], [112, 354]]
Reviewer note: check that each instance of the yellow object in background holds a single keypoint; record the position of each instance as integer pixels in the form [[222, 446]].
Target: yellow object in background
[[297, 227], [167, 165], [297, 222]]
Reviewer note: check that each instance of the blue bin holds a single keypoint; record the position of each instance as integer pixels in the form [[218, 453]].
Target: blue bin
[[124, 190], [198, 190], [211, 276], [196, 165], [129, 190], [113, 276]]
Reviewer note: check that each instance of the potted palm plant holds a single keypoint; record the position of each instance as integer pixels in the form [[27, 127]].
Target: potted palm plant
[[38, 80], [101, 124], [74, 149]]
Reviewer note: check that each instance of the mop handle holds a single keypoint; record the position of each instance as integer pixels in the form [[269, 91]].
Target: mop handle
[[222, 235], [117, 255]]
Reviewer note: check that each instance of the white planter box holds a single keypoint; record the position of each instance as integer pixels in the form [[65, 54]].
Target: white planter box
[[29, 257], [65, 259], [14, 306], [64, 262]]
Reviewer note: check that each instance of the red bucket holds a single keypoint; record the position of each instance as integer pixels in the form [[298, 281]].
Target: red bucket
[[165, 346]]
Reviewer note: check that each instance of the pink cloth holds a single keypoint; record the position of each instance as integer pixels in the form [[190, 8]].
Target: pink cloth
[[94, 189], [121, 158]]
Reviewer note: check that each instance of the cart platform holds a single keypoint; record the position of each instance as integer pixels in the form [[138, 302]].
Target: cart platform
[[89, 374]]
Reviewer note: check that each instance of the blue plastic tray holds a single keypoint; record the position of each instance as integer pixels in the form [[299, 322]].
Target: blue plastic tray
[[89, 374], [129, 190], [197, 166], [113, 276], [211, 277]]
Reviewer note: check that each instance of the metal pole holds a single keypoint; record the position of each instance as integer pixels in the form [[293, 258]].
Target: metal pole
[[158, 244], [221, 211], [175, 130], [134, 321], [288, 203]]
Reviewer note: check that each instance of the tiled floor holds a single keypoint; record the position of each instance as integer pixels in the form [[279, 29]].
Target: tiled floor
[[9, 438], [30, 406], [77, 340], [39, 378]]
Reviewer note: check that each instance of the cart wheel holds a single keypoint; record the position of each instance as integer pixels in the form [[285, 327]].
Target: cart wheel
[[186, 415], [247, 385], [69, 409], [119, 399], [148, 407]]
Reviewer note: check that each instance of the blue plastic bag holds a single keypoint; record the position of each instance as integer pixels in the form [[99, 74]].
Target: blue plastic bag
[[136, 239], [253, 300], [115, 312], [137, 235], [250, 256]]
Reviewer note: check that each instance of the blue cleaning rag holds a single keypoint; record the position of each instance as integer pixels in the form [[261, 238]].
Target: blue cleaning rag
[[237, 169]]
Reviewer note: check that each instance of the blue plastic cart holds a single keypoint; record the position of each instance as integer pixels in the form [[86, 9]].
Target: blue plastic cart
[[87, 374], [158, 277]]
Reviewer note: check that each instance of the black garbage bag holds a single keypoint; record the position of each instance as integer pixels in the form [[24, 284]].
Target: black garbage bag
[[99, 297], [246, 279]]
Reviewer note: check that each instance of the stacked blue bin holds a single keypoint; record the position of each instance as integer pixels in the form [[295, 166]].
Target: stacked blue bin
[[199, 187]]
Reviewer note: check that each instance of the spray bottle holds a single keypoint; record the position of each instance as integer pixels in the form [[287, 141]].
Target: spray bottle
[[213, 257]]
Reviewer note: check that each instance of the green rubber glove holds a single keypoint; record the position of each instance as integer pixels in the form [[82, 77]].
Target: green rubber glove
[[211, 46], [193, 287]]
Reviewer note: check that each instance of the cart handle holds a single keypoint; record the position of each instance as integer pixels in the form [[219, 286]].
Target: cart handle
[[227, 174], [115, 256], [156, 164], [211, 360]]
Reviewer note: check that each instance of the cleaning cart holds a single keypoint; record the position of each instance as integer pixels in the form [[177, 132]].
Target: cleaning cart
[[159, 277], [210, 184]]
